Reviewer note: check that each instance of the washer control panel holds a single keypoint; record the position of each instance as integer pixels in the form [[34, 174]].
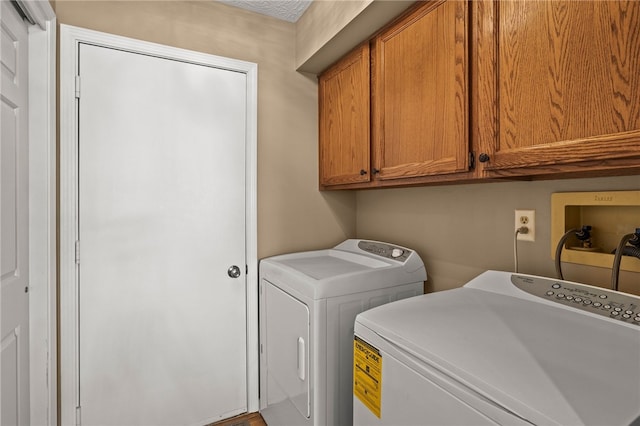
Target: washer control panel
[[596, 300], [400, 254]]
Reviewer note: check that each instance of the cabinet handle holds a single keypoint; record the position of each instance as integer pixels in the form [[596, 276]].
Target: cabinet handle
[[363, 172], [483, 157], [375, 171]]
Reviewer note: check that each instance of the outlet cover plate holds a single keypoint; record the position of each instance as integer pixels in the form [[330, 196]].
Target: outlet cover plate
[[526, 218]]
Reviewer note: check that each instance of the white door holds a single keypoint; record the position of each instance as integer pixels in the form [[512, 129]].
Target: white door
[[14, 216], [161, 213]]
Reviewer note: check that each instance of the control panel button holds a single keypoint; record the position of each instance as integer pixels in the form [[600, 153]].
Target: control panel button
[[598, 301]]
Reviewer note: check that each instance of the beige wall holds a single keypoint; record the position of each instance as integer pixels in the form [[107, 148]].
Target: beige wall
[[292, 214], [321, 22], [462, 230], [331, 28]]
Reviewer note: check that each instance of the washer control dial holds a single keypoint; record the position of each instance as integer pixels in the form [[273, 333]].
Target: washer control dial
[[396, 252]]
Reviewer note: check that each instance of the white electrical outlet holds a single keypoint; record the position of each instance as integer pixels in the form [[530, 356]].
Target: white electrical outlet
[[526, 218]]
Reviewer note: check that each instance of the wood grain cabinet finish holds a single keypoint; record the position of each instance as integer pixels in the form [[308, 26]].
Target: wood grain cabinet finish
[[420, 100], [344, 110], [559, 86], [534, 88]]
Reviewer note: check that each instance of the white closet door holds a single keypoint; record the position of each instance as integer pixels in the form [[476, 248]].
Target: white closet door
[[162, 325], [14, 217]]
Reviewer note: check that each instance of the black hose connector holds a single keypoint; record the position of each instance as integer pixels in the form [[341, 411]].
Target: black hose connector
[[622, 249], [635, 240], [631, 251], [583, 234]]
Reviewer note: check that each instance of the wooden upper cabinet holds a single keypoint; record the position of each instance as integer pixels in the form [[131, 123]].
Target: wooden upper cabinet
[[560, 86], [344, 110], [420, 93]]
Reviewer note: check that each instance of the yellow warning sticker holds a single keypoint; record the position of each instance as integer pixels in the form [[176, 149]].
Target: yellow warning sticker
[[367, 374]]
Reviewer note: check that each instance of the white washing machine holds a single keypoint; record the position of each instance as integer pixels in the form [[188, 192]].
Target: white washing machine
[[308, 304], [504, 349]]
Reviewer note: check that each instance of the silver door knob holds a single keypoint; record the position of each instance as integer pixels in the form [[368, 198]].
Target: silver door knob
[[233, 271]]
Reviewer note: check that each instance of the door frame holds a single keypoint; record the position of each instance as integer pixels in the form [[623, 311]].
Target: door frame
[[70, 38], [42, 212]]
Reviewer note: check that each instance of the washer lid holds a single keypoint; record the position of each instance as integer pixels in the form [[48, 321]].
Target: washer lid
[[548, 364]]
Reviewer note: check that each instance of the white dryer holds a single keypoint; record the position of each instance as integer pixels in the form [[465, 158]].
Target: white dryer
[[308, 305], [504, 349]]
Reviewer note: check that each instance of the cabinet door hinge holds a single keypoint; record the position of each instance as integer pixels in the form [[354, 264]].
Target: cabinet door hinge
[[77, 252], [78, 86], [472, 160]]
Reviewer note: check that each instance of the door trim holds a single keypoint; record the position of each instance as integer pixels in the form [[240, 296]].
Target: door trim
[[43, 374], [70, 38]]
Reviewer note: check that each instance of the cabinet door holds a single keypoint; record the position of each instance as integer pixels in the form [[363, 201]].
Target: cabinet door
[[564, 88], [344, 120], [420, 101]]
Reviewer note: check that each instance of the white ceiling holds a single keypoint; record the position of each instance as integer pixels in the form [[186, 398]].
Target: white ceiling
[[287, 10]]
